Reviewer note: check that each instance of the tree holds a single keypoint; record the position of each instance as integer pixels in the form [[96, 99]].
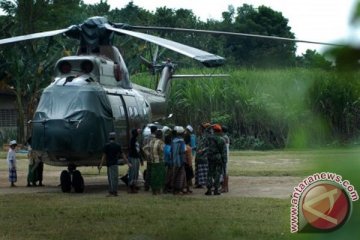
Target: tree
[[99, 9], [347, 58], [27, 67], [229, 16], [130, 14], [312, 59], [260, 52]]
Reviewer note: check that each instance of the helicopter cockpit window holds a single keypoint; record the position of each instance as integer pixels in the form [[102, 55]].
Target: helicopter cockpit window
[[107, 75]]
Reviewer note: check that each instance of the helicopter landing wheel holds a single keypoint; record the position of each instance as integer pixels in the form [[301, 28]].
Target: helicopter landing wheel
[[78, 182], [65, 181]]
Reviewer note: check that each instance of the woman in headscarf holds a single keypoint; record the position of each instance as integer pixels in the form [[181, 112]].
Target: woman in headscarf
[[178, 160]]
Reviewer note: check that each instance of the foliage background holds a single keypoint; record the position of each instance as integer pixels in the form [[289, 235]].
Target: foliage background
[[266, 109], [272, 99]]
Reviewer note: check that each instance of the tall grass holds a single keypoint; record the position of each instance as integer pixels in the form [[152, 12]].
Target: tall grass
[[272, 108]]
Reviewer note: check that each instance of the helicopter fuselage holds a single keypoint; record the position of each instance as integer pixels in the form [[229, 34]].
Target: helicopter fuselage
[[89, 97]]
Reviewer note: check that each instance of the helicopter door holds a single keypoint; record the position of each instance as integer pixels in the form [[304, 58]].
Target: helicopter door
[[133, 111], [121, 120]]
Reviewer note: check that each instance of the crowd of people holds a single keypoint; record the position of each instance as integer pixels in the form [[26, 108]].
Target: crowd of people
[[169, 154]]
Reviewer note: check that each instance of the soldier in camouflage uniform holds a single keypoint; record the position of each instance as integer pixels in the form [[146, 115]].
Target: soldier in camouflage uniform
[[216, 159]]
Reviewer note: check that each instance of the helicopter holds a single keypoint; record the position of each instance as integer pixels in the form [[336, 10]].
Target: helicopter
[[91, 94]]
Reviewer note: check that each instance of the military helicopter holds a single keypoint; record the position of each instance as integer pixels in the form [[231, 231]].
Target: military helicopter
[[92, 95]]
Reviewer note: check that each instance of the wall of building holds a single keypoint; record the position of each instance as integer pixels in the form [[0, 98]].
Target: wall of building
[[8, 117]]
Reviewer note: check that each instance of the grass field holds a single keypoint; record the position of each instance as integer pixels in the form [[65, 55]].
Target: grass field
[[143, 216], [57, 216]]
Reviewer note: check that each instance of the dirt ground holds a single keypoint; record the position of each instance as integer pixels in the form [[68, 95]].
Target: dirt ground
[[239, 186]]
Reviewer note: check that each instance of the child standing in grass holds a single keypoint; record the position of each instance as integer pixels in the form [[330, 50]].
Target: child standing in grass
[[11, 160]]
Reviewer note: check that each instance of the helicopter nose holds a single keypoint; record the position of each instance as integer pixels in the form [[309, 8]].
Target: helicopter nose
[[52, 136], [67, 137]]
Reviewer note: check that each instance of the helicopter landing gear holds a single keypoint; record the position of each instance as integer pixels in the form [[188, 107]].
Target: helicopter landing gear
[[65, 181], [72, 178], [78, 182]]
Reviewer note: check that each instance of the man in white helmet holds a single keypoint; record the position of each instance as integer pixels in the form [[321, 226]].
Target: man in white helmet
[[11, 160]]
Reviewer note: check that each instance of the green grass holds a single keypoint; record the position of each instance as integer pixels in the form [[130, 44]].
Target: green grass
[[269, 163], [143, 216], [64, 216]]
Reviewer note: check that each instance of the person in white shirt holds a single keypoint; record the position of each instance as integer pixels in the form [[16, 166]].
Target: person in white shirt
[[11, 160]]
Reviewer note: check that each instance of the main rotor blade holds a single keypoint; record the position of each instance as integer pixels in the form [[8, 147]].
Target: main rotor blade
[[33, 36], [208, 59], [233, 34]]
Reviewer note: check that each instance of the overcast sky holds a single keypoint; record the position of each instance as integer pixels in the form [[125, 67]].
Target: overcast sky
[[315, 20]]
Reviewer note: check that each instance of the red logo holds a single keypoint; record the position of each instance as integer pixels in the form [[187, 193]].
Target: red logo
[[325, 206]]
